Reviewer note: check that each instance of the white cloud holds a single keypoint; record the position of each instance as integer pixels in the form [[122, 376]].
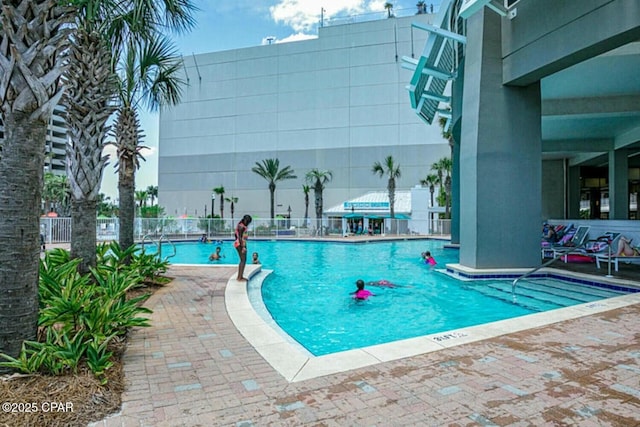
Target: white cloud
[[304, 15], [296, 37]]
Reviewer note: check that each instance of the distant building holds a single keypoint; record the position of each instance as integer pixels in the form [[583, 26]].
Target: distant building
[[334, 103], [55, 155]]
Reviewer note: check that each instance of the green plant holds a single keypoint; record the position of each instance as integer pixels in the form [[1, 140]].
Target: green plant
[[99, 359], [29, 361], [68, 352], [81, 313], [148, 266]]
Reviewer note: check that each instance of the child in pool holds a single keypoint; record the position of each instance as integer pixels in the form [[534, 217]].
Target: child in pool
[[428, 259], [382, 284], [361, 293], [216, 255], [254, 258]]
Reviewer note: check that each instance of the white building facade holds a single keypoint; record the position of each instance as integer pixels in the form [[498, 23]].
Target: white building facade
[[336, 103]]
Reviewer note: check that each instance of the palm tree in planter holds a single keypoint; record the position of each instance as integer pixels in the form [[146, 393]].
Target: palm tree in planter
[[148, 74], [391, 170], [89, 101], [34, 35], [232, 206], [103, 29], [220, 192], [270, 170], [318, 178], [306, 189]]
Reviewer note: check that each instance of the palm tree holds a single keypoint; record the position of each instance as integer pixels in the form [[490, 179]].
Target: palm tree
[[103, 29], [55, 193], [89, 102], [392, 172], [389, 7], [430, 181], [141, 197], [306, 189], [147, 75], [318, 178], [270, 170], [152, 191], [220, 192], [33, 39], [232, 207], [446, 165]]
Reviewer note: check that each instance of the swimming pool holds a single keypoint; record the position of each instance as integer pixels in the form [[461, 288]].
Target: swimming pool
[[308, 292]]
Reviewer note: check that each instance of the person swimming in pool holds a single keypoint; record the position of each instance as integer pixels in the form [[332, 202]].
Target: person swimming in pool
[[217, 255], [382, 284], [361, 293], [428, 259]]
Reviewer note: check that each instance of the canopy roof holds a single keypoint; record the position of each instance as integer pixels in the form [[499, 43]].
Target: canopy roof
[[373, 205]]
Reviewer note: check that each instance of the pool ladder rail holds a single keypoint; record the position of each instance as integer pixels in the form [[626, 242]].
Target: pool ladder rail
[[158, 243], [546, 263]]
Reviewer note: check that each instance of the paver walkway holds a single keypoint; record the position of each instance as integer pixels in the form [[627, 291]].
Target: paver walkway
[[193, 368]]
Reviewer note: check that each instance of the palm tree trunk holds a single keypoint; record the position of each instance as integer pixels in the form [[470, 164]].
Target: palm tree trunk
[[90, 89], [126, 195], [318, 197], [83, 218], [272, 191], [21, 170], [128, 135]]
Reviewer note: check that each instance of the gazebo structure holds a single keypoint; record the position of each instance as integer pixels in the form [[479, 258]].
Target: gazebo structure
[[370, 213]]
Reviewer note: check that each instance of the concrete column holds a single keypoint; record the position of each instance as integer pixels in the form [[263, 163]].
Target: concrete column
[[455, 190], [573, 191], [618, 184], [500, 158], [456, 110]]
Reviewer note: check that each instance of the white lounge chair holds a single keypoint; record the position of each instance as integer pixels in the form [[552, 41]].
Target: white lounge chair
[[603, 257]]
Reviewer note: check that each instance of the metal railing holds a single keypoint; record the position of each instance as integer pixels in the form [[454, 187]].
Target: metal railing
[[58, 230], [158, 244], [546, 263]]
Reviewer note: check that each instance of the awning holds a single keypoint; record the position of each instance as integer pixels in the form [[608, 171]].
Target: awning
[[399, 216]]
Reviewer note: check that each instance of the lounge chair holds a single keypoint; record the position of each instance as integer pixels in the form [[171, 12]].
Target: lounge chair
[[603, 257], [573, 245], [565, 234]]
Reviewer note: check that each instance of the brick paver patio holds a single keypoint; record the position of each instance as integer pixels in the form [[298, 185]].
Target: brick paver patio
[[193, 368]]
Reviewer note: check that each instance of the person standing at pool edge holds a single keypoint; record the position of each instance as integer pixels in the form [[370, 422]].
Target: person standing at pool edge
[[241, 245]]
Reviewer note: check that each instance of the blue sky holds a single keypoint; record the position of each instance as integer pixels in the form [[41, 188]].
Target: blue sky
[[233, 24]]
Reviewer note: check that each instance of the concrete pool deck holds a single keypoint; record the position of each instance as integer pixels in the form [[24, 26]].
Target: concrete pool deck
[[195, 367]]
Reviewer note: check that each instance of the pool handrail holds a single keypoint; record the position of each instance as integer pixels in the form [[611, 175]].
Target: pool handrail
[[158, 244], [546, 263]]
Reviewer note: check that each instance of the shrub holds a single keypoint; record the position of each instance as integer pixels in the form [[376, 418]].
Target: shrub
[[81, 314]]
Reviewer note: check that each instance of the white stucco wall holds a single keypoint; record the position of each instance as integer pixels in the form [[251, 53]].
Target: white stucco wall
[[335, 103]]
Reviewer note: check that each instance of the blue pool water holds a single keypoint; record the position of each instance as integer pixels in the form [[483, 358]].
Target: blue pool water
[[308, 292]]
